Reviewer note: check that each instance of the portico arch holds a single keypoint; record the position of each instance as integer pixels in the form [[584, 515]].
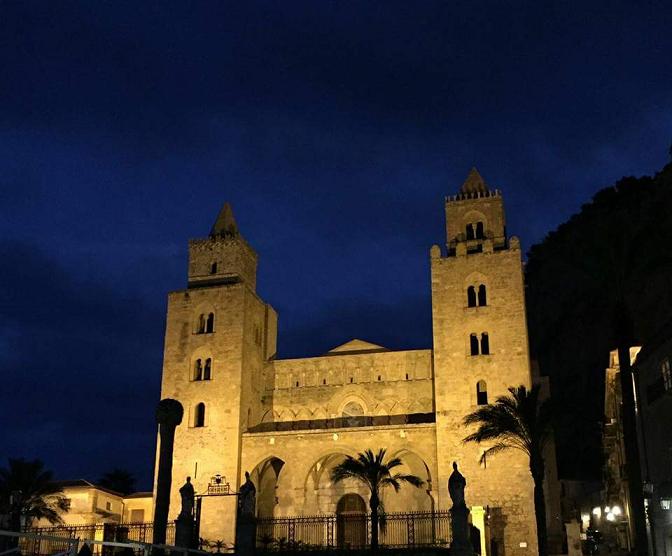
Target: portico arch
[[266, 477]]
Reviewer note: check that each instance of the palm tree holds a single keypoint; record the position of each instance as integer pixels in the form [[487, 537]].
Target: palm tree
[[518, 421], [119, 480], [370, 469], [28, 490]]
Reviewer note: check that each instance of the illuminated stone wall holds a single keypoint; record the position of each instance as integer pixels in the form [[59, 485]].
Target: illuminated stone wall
[[276, 418]]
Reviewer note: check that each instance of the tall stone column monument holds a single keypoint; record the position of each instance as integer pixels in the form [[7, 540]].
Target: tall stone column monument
[[459, 513], [169, 414]]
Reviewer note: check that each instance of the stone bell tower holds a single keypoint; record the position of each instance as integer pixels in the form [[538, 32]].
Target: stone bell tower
[[219, 333], [480, 350]]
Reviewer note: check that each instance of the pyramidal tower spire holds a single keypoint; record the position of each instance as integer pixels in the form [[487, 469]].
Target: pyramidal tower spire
[[225, 225], [474, 183]]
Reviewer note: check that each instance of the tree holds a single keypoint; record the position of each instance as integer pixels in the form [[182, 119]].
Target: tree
[[119, 480], [521, 422], [602, 280], [28, 491], [371, 470]]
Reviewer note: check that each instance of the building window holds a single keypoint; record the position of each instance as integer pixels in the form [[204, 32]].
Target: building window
[[485, 344], [297, 383], [379, 378], [666, 371], [406, 376], [213, 268], [199, 415], [324, 381], [210, 323], [482, 297], [470, 231], [471, 296], [473, 344], [481, 393], [198, 370], [207, 371], [108, 506], [200, 327], [137, 516], [479, 230], [351, 380]]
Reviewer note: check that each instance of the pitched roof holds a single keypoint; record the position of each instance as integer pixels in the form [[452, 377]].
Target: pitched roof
[[225, 225], [474, 183], [356, 346]]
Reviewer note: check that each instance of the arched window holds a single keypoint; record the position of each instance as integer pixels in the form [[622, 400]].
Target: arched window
[[353, 409], [482, 297], [479, 230], [213, 268], [471, 296], [485, 344], [199, 415], [470, 231], [207, 371], [210, 325], [482, 393], [200, 327], [473, 344], [198, 370]]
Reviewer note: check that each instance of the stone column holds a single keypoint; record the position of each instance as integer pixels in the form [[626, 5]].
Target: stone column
[[478, 521], [169, 414]]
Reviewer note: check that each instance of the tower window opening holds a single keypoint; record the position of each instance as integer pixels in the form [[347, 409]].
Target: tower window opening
[[470, 231], [207, 371], [485, 344], [210, 324], [213, 268], [199, 415], [297, 383], [200, 328], [351, 380], [473, 344], [479, 230], [471, 296], [406, 376], [482, 393], [482, 296], [324, 381], [198, 370], [379, 378]]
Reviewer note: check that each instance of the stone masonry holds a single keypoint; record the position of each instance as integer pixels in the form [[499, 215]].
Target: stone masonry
[[290, 421]]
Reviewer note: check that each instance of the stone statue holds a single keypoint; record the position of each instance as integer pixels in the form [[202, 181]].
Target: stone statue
[[456, 484], [247, 497], [187, 494], [461, 543]]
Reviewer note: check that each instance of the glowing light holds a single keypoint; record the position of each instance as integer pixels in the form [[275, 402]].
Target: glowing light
[[607, 509], [597, 512], [611, 517], [616, 510], [665, 503]]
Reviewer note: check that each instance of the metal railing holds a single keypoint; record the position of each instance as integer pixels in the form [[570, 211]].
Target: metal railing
[[398, 530], [49, 540], [17, 544]]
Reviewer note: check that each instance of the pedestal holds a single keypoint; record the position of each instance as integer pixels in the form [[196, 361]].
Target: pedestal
[[184, 531], [461, 543]]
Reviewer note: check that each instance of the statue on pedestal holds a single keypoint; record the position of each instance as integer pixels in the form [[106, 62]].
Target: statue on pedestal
[[187, 495], [461, 543], [246, 525], [184, 524]]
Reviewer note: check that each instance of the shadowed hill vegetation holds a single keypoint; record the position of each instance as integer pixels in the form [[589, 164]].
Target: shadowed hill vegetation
[[602, 278]]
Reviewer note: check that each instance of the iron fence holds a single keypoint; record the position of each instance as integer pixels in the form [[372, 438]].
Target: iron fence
[[47, 539], [397, 530]]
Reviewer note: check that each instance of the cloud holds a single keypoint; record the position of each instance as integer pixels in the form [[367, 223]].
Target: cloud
[[81, 367]]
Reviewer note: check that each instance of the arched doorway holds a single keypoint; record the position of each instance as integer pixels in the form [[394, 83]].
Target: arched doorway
[[351, 521]]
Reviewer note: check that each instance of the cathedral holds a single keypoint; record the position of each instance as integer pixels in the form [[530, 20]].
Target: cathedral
[[288, 422]]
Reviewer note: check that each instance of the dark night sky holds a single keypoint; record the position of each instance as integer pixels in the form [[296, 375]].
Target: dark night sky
[[334, 128]]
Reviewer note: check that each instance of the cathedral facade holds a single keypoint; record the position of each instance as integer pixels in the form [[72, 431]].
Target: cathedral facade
[[290, 421]]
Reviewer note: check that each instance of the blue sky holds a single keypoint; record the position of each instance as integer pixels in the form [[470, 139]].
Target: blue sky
[[335, 129]]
